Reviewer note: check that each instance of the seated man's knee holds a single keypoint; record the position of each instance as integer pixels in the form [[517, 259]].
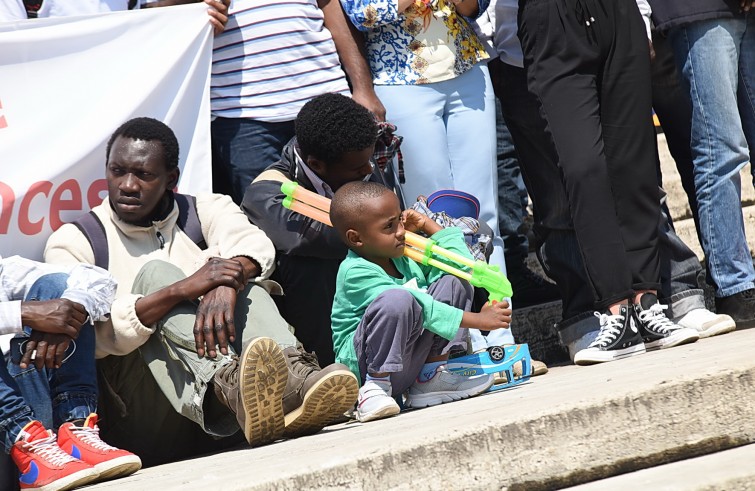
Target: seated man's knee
[[156, 273], [48, 287]]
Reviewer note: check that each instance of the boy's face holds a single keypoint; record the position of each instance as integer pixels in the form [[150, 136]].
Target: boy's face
[[381, 233]]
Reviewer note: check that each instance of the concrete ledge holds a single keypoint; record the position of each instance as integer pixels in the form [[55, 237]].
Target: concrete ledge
[[731, 470], [574, 425]]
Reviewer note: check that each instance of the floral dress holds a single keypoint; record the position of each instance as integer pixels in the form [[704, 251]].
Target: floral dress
[[429, 42]]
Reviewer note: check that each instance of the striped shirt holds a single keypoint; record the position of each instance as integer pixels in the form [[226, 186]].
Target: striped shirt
[[273, 56]]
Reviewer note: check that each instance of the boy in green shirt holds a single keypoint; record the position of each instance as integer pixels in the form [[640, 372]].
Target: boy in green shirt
[[393, 318]]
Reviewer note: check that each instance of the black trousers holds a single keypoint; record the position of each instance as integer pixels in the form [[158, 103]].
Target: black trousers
[[588, 63]]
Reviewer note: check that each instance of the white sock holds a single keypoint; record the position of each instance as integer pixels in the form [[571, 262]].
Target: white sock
[[428, 370], [383, 382]]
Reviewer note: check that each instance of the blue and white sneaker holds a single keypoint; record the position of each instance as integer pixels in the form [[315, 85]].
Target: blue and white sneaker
[[445, 386]]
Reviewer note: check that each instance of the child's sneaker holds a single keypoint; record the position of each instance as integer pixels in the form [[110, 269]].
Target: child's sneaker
[[657, 330], [445, 386], [84, 443], [618, 338], [375, 402], [43, 465]]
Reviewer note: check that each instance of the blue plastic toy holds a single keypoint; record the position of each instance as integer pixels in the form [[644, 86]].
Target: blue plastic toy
[[495, 359]]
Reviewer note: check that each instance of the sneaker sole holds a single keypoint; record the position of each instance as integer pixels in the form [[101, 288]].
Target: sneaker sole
[[262, 380], [720, 328], [594, 357], [680, 336], [71, 481], [118, 467], [324, 403], [383, 412], [436, 398]]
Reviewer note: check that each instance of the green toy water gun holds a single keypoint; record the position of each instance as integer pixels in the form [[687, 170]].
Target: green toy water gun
[[420, 249]]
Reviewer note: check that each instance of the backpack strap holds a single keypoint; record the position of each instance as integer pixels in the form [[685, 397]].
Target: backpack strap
[[92, 228], [188, 219]]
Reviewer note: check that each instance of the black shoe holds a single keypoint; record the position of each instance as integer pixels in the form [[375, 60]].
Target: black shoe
[[657, 330], [530, 288], [617, 338], [740, 306]]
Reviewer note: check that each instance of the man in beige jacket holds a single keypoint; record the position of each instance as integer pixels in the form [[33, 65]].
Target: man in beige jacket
[[183, 311]]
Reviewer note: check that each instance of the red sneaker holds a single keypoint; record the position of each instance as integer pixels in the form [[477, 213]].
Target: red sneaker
[[43, 465], [83, 442]]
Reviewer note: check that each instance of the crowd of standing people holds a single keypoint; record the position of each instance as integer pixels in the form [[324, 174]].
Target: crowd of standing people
[[227, 317]]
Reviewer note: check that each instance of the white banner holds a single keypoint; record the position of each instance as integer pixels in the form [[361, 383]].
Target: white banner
[[66, 84]]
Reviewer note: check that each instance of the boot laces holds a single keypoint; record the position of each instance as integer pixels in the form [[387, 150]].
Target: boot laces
[[304, 363], [48, 449], [610, 328], [655, 319]]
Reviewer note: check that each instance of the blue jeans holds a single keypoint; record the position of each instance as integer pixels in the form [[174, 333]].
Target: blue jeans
[[716, 60], [243, 148], [50, 396]]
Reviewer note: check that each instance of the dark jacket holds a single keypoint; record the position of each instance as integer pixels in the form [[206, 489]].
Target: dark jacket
[[292, 233], [668, 14]]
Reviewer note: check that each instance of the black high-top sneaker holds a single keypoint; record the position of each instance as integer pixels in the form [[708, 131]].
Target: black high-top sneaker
[[657, 330], [617, 338]]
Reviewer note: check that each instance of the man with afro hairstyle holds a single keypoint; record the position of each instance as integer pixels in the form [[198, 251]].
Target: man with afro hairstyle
[[334, 144]]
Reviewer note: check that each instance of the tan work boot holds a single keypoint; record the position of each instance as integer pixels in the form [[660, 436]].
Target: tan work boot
[[315, 397], [252, 386]]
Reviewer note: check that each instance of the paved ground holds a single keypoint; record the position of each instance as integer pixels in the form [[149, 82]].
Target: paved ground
[[573, 425]]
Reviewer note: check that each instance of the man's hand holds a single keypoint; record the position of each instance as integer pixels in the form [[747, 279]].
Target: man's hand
[[370, 100], [50, 350], [215, 273], [57, 316], [746, 5], [214, 322], [218, 13]]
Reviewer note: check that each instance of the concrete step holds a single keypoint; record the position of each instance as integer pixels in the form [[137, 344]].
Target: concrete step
[[731, 470], [571, 426]]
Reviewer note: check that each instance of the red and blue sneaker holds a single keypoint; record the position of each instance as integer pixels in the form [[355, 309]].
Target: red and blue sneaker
[[84, 443], [43, 465]]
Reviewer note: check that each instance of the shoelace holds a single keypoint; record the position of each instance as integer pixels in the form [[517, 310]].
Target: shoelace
[[610, 327], [656, 319], [91, 436], [307, 363], [48, 449]]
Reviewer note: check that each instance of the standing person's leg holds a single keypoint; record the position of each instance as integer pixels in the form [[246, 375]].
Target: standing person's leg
[[674, 109], [629, 141], [470, 129], [417, 112], [562, 71], [243, 148], [529, 287], [746, 91], [720, 151], [559, 253]]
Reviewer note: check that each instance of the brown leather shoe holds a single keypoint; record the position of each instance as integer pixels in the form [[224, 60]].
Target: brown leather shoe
[[315, 397], [252, 386]]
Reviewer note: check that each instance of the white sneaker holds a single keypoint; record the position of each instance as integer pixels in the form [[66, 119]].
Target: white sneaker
[[375, 402], [707, 323], [446, 387]]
